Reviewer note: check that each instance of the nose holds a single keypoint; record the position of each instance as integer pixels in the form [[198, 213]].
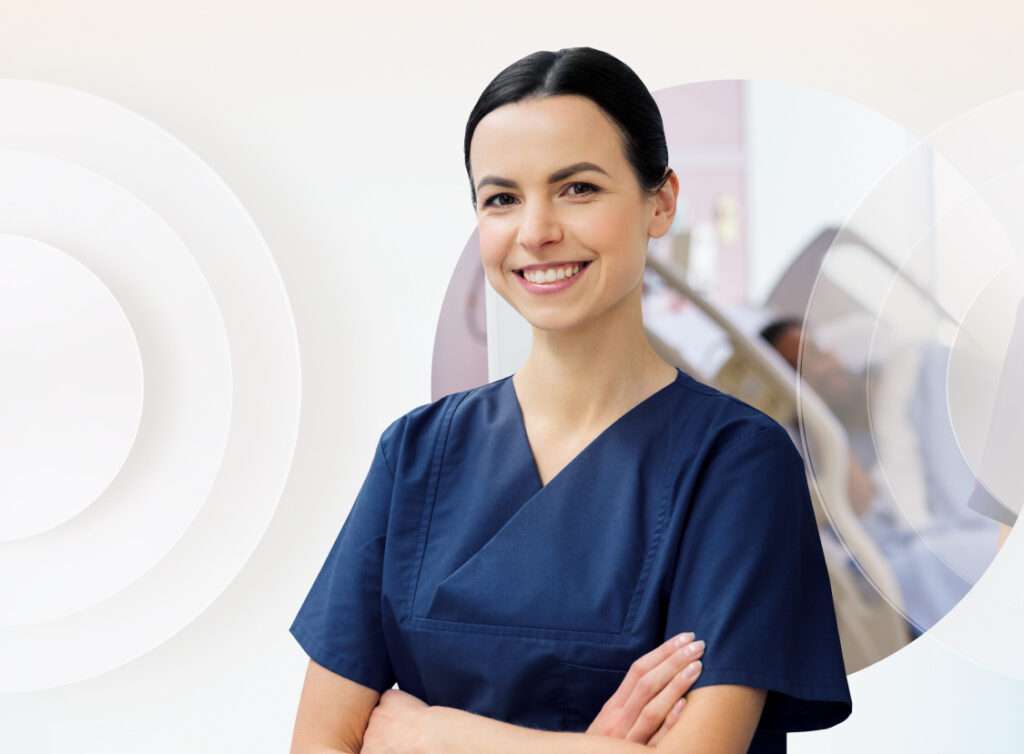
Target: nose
[[539, 226]]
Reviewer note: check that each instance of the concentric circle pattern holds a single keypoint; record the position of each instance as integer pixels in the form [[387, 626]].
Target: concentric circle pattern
[[151, 386], [935, 283], [70, 356]]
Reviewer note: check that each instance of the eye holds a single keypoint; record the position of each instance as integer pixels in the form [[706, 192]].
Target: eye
[[490, 200], [593, 189], [589, 188]]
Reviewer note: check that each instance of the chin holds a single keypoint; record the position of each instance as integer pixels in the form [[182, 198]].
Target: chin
[[555, 321], [553, 324]]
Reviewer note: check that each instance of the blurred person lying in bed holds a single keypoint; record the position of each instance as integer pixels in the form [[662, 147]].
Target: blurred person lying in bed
[[937, 546]]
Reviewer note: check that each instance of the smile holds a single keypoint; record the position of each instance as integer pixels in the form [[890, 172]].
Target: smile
[[553, 278]]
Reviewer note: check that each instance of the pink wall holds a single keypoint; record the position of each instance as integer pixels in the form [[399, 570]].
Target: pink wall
[[705, 125]]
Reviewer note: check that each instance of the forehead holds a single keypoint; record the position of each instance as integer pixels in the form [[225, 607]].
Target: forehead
[[546, 133]]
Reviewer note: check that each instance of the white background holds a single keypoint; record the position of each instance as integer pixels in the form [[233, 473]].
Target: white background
[[339, 127]]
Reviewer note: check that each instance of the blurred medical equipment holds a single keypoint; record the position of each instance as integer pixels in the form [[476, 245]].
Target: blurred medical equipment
[[868, 308], [722, 352], [920, 547]]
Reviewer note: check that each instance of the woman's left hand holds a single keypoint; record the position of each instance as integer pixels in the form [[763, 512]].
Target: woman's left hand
[[398, 725]]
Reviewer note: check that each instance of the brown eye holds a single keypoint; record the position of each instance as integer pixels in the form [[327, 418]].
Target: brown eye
[[592, 188], [490, 200]]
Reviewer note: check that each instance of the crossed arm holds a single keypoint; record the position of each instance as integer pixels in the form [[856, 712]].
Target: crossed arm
[[338, 716], [715, 720]]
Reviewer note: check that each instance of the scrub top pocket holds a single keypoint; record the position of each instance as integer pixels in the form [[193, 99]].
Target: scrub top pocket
[[474, 586], [585, 689]]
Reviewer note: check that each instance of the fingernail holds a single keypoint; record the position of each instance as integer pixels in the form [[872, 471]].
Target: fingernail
[[696, 647], [691, 670], [679, 705], [684, 638]]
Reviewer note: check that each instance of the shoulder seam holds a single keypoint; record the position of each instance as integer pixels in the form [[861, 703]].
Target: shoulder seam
[[761, 427], [701, 388], [384, 455], [455, 398]]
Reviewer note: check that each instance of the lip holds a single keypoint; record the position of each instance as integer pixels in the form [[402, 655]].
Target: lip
[[548, 288]]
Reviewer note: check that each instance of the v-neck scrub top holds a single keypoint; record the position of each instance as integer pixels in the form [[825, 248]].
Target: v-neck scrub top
[[464, 579]]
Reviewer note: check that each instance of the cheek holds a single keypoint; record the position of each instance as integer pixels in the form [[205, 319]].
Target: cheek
[[613, 234], [494, 247], [606, 230]]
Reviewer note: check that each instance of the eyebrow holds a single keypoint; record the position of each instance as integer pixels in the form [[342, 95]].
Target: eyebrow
[[558, 175]]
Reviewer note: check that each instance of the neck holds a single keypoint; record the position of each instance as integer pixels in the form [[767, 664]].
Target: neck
[[589, 375]]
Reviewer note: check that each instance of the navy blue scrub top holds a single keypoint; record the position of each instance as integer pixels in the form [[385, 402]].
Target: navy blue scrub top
[[463, 578]]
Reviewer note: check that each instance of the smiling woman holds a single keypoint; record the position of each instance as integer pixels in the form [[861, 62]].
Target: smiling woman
[[522, 553], [539, 209]]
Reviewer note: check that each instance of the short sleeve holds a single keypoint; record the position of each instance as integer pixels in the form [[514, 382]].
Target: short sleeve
[[751, 581], [339, 622]]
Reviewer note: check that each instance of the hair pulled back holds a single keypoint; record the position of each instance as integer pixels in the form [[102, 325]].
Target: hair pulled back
[[602, 78]]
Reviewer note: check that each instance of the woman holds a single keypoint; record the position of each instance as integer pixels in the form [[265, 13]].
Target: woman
[[521, 553]]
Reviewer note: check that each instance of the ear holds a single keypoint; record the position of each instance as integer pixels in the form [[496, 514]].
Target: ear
[[664, 206]]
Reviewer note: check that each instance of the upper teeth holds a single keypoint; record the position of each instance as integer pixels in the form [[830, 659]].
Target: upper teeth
[[551, 274]]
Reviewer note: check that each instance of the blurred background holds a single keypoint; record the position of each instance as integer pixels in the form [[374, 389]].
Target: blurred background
[[813, 271]]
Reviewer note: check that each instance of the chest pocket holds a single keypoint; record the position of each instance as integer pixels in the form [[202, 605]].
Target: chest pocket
[[573, 557]]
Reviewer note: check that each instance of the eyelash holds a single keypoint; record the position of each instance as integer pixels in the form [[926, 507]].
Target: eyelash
[[594, 190]]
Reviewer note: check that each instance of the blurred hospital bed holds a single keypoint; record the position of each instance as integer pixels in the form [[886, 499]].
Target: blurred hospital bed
[[721, 346]]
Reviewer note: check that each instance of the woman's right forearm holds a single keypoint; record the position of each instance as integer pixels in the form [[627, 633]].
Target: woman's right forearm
[[456, 731]]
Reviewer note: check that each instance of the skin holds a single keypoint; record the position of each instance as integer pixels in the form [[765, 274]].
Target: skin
[[590, 362], [339, 715], [333, 713], [652, 695]]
